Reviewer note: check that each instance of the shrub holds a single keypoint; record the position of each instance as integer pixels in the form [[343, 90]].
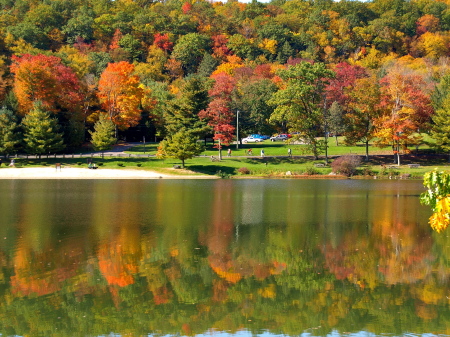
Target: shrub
[[100, 164], [138, 164], [120, 164], [367, 171], [222, 174], [346, 165], [311, 171], [243, 170], [79, 163]]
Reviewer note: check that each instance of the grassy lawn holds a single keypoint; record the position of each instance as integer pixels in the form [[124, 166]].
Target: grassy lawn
[[280, 148], [275, 163]]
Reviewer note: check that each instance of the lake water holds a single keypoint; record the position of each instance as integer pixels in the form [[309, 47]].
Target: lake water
[[220, 257]]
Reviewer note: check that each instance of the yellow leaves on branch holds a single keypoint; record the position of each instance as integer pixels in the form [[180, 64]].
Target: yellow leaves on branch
[[228, 68], [269, 45], [440, 219]]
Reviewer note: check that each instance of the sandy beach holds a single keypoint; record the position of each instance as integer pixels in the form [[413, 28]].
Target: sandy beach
[[85, 173]]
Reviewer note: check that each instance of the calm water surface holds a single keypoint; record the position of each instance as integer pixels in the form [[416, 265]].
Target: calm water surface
[[220, 257]]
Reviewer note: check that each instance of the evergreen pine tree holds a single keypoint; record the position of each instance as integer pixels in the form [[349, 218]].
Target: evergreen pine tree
[[41, 132], [441, 129], [182, 112], [103, 135], [207, 65], [9, 135], [182, 145]]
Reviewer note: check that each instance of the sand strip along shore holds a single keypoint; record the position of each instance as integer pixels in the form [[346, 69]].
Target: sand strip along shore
[[85, 173]]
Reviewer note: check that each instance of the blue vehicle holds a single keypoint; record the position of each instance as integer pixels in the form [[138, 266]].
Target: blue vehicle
[[259, 136]]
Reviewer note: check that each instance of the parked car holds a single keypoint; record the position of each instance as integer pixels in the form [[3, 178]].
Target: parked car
[[263, 137], [279, 137], [251, 139]]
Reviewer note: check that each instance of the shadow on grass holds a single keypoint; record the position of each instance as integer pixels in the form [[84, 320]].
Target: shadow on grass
[[211, 169], [276, 160]]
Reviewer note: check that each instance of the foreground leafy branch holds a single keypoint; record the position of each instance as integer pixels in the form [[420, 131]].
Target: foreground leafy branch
[[438, 197]]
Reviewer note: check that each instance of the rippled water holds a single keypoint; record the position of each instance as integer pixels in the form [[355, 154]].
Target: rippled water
[[220, 257]]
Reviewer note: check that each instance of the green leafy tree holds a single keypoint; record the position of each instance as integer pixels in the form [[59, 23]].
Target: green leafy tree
[[300, 102], [9, 136], [363, 109], [335, 120], [41, 132], [251, 101], [132, 46], [190, 49], [103, 135], [183, 145]]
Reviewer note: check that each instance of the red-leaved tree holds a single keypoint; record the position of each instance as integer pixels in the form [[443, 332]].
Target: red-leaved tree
[[44, 78], [218, 113]]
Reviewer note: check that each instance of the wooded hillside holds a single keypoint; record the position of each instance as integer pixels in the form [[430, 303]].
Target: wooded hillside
[[368, 70]]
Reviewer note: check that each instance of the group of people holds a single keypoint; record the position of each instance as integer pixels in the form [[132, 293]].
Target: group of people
[[250, 152]]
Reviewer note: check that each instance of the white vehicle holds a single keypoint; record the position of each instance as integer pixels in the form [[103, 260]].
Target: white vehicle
[[251, 140], [278, 137]]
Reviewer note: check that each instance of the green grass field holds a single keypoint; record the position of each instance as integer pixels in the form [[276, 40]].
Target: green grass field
[[276, 163]]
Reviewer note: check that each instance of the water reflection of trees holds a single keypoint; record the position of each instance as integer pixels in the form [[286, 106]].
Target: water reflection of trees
[[179, 278]]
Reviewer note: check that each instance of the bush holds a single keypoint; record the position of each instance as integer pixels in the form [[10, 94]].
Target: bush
[[222, 174], [139, 165], [367, 171], [79, 163], [311, 171], [243, 170], [100, 164], [120, 164], [346, 165]]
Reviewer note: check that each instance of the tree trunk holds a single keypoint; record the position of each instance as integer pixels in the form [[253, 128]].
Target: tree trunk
[[367, 150], [182, 163], [220, 150], [337, 141]]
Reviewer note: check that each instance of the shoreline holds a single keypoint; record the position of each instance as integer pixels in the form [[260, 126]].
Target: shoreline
[[102, 173], [85, 173]]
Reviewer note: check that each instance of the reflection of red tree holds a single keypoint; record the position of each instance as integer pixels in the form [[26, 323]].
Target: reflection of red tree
[[42, 273], [118, 258], [354, 259], [219, 241], [221, 233], [392, 253], [114, 267], [162, 295]]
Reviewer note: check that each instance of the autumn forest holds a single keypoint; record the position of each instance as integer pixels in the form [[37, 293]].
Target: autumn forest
[[376, 71]]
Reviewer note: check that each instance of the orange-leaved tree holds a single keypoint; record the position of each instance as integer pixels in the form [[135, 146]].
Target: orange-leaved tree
[[407, 110], [120, 94], [45, 79]]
